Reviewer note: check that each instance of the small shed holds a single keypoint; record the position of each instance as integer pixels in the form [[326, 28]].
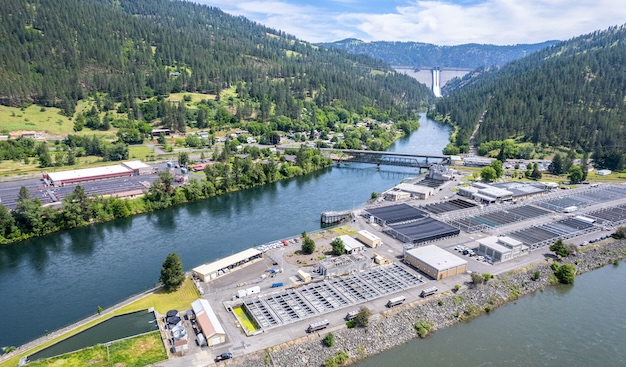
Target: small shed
[[369, 239], [306, 277]]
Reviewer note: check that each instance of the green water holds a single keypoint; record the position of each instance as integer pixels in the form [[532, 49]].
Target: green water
[[116, 328]]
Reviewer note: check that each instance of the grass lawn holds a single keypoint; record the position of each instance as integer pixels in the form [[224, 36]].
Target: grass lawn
[[343, 230], [161, 301], [135, 352], [139, 152]]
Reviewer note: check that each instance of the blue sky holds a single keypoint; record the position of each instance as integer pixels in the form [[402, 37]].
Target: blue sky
[[442, 22]]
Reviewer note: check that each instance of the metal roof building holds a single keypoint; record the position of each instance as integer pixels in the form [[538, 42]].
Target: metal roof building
[[138, 167], [87, 174], [421, 231], [388, 215], [352, 246], [209, 324], [208, 272], [435, 262]]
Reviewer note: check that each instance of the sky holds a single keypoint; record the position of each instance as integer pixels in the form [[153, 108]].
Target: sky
[[441, 22]]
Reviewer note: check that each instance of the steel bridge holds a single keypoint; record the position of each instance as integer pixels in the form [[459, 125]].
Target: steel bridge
[[416, 160]]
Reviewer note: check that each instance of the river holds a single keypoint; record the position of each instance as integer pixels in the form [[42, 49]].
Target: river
[[580, 325], [52, 281]]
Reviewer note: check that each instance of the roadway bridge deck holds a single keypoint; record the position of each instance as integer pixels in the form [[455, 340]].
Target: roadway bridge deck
[[416, 160]]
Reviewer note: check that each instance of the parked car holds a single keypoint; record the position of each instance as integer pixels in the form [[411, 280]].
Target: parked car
[[223, 357]]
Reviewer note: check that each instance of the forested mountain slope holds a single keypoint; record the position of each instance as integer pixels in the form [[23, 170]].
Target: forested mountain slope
[[55, 53], [428, 55], [571, 94]]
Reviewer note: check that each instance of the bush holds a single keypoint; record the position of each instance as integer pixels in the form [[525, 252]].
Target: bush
[[477, 279], [536, 275], [423, 327], [487, 276], [351, 324], [457, 287], [329, 340], [363, 317], [565, 273]]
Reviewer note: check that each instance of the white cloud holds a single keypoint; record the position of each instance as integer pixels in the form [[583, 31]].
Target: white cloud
[[490, 21], [433, 21]]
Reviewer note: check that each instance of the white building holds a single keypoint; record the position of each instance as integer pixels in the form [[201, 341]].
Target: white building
[[352, 246], [501, 248]]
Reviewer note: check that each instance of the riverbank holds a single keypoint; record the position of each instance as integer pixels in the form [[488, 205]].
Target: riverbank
[[395, 327]]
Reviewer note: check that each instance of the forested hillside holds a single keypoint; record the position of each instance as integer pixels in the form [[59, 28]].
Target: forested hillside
[[55, 53], [570, 95], [428, 55]]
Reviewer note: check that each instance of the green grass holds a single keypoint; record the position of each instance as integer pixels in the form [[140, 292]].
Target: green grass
[[33, 119], [48, 119], [135, 352], [139, 152], [161, 301], [195, 97], [343, 230]]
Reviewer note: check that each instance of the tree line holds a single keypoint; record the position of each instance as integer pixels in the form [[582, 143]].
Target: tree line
[[57, 53], [30, 218], [571, 95]]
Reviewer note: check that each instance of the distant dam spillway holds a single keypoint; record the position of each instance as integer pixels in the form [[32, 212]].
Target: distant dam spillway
[[428, 75]]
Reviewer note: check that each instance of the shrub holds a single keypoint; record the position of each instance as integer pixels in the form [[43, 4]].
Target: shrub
[[536, 275], [488, 308], [422, 327], [457, 287], [329, 340], [565, 273], [362, 318], [351, 324], [477, 279]]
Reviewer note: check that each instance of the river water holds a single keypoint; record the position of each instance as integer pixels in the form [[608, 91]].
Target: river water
[[580, 325], [52, 281]]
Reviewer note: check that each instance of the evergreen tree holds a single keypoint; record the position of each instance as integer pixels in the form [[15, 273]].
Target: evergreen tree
[[172, 274]]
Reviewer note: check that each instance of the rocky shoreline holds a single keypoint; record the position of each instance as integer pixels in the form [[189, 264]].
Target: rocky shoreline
[[395, 327]]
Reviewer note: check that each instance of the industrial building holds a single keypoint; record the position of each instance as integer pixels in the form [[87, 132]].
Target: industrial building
[[388, 215], [435, 262], [369, 239], [208, 322], [396, 195], [501, 248], [344, 264], [425, 230], [416, 191], [351, 245], [138, 167], [125, 169], [87, 174], [208, 272]]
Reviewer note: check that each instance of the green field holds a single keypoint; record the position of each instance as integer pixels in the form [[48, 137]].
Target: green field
[[139, 152], [46, 119], [135, 352]]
